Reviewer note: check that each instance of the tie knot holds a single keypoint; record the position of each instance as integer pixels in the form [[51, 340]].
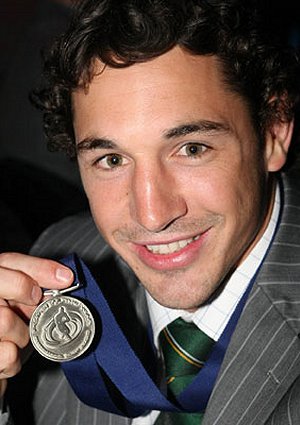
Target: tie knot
[[185, 348]]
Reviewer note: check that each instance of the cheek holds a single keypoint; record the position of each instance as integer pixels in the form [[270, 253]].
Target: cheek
[[244, 211], [107, 203], [237, 200], [211, 190]]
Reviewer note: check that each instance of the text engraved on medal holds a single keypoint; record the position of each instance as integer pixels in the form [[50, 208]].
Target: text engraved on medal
[[62, 328]]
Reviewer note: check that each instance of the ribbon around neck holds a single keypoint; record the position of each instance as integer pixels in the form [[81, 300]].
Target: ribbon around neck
[[112, 362]]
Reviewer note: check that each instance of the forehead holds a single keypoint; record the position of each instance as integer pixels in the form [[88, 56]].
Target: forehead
[[174, 87]]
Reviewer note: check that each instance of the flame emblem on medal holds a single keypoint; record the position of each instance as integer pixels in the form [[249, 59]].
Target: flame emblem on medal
[[62, 328]]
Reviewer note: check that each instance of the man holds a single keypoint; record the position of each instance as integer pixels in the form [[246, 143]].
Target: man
[[181, 116]]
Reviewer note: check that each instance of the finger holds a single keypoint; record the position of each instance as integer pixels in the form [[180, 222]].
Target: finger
[[19, 287], [12, 328], [33, 272], [23, 311], [44, 271], [10, 363]]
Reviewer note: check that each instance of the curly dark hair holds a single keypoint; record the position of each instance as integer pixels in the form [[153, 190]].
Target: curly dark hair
[[123, 32]]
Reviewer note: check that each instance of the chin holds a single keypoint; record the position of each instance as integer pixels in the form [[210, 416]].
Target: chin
[[171, 290], [180, 302]]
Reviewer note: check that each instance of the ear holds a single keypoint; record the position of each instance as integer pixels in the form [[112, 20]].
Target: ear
[[278, 139]]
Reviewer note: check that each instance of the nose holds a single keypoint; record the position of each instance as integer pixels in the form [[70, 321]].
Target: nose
[[156, 201]]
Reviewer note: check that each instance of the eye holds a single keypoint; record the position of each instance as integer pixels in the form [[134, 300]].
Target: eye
[[111, 161], [193, 150]]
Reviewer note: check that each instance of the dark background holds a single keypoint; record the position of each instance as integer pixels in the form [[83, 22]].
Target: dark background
[[37, 187]]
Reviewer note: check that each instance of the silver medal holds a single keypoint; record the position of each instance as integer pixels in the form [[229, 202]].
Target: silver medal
[[61, 328]]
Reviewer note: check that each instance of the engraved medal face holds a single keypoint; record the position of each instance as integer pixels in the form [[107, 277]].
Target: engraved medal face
[[62, 328]]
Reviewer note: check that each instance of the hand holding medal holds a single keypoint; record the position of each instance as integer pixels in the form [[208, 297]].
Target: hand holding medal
[[21, 279]]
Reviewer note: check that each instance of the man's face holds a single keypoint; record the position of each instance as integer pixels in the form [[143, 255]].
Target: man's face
[[175, 179]]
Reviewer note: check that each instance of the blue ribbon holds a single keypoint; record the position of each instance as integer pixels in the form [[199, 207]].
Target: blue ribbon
[[112, 358]]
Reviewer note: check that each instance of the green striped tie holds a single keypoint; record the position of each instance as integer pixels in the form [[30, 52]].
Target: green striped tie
[[185, 349]]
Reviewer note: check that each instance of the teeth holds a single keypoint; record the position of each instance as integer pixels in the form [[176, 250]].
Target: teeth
[[170, 248]]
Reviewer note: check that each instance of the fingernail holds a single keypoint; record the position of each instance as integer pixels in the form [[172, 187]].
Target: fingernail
[[36, 294], [64, 274]]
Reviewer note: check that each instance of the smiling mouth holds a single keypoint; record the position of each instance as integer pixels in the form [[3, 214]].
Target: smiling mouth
[[171, 248]]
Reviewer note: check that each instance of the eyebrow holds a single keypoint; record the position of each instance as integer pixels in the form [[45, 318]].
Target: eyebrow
[[200, 127], [91, 143]]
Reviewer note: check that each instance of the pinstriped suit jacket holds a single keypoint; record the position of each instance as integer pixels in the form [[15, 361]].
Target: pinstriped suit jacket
[[259, 381]]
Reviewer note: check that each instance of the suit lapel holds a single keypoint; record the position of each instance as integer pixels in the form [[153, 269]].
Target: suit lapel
[[263, 359]]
